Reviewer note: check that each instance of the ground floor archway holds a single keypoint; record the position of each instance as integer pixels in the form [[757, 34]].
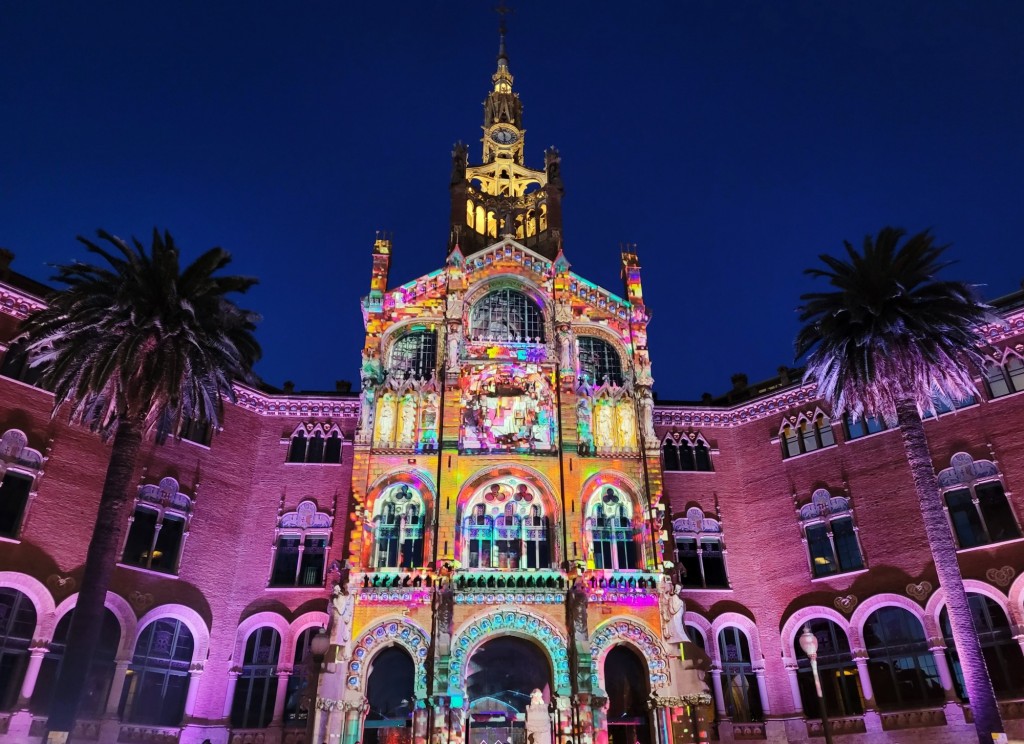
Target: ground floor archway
[[501, 677], [390, 697], [627, 684]]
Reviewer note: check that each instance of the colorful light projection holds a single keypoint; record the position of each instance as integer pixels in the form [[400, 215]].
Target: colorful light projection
[[507, 408]]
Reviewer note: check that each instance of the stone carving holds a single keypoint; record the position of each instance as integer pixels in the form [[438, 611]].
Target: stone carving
[[920, 590], [604, 434], [454, 348], [583, 422], [407, 420], [386, 420], [576, 599], [647, 416], [58, 583], [566, 346], [627, 424], [846, 604], [673, 609], [340, 610], [141, 602], [1000, 576]]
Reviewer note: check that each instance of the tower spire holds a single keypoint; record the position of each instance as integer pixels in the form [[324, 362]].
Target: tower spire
[[502, 10]]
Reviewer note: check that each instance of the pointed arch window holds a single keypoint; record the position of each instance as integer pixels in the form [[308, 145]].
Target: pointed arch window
[[159, 527], [399, 516], [700, 550], [686, 452], [300, 550], [1002, 653], [414, 354], [670, 455], [599, 361], [313, 443], [507, 528], [256, 689], [976, 502], [506, 316], [830, 534], [157, 682], [807, 435], [611, 530]]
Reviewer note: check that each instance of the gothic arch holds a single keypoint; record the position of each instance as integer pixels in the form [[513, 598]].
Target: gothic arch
[[480, 288], [598, 331], [864, 610], [122, 611], [633, 633], [485, 476], [701, 623], [415, 477], [297, 627], [592, 486], [389, 631], [192, 621], [518, 623]]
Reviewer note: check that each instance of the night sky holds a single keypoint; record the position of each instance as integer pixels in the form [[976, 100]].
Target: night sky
[[731, 141]]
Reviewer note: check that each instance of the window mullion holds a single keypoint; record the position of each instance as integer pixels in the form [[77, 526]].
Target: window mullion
[[981, 517], [156, 536], [298, 563]]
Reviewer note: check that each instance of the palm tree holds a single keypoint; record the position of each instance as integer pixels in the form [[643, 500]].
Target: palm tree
[[129, 345], [889, 341]]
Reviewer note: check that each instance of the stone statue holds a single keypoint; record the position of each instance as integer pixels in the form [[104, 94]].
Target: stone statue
[[407, 423], [583, 422], [444, 612], [673, 609], [576, 598], [537, 698], [565, 349], [367, 401], [386, 420], [454, 347], [627, 424], [605, 436], [340, 609], [647, 416]]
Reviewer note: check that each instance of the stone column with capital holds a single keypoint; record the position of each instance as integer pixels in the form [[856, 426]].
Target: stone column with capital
[[872, 720], [229, 693], [116, 687], [28, 683], [792, 673], [716, 684], [283, 675], [195, 673]]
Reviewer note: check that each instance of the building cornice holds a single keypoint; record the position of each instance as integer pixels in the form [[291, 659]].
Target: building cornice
[[17, 303], [743, 413], [266, 404]]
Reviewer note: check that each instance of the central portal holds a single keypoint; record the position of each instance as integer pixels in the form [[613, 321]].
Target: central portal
[[501, 676]]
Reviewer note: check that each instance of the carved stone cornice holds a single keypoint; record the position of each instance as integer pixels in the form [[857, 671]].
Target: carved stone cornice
[[18, 304], [266, 404]]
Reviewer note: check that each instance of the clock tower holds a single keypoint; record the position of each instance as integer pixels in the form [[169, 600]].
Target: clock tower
[[502, 196]]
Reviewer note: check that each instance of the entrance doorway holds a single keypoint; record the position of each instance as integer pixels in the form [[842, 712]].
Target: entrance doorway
[[390, 691], [500, 677], [627, 684]]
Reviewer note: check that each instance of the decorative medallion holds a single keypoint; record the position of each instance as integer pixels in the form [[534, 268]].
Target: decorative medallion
[[61, 584], [1000, 576], [846, 604], [141, 602], [920, 590]]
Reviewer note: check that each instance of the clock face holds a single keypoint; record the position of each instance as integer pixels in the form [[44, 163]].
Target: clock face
[[504, 136]]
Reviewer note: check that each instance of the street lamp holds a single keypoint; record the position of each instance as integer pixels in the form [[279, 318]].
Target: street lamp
[[809, 644], [319, 645]]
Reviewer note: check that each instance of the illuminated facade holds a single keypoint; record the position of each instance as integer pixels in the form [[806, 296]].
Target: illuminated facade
[[484, 532]]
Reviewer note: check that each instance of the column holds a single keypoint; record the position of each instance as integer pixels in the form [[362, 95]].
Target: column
[[229, 694], [193, 691], [762, 690], [872, 720], [794, 685], [117, 687], [942, 664], [283, 675], [28, 684], [716, 685]]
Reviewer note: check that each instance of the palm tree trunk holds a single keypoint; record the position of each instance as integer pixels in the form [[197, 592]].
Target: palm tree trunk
[[940, 540], [100, 560]]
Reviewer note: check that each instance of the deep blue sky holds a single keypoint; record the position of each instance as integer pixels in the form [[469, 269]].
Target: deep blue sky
[[732, 141]]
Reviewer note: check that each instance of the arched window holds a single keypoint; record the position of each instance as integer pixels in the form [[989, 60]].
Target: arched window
[[101, 671], [861, 427], [703, 456], [158, 527], [157, 682], [739, 685], [414, 354], [838, 672], [1005, 378], [296, 698], [599, 361], [309, 444], [902, 669], [256, 689], [301, 547], [17, 624], [19, 467], [506, 528], [669, 455], [700, 550], [807, 436], [612, 534], [506, 316], [830, 535], [692, 453], [399, 516], [1003, 656], [976, 503]]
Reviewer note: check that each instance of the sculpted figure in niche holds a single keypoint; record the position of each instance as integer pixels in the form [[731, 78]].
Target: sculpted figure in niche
[[454, 346], [647, 416], [605, 433], [576, 598], [583, 421], [340, 610], [565, 349], [367, 400], [407, 430], [673, 609], [627, 424], [386, 420]]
